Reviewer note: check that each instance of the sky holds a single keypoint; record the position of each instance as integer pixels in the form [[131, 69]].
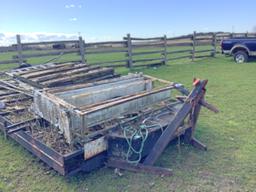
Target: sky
[[98, 20]]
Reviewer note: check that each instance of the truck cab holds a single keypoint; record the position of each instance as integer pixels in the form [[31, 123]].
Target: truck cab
[[240, 48]]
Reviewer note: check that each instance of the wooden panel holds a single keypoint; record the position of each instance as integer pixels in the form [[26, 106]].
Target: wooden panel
[[51, 42], [9, 61], [102, 51], [147, 52], [104, 43], [180, 51], [180, 37], [109, 62], [181, 57], [179, 44], [145, 39], [7, 48], [145, 60], [65, 51]]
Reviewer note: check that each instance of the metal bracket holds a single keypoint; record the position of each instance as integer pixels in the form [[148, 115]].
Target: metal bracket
[[192, 99]]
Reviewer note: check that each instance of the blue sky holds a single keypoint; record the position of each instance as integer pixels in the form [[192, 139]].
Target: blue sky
[[112, 19]]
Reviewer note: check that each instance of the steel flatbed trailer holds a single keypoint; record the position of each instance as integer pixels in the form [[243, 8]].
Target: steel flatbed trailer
[[106, 141]]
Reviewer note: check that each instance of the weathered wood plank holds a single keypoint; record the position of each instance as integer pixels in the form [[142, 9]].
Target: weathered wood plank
[[178, 44], [19, 49], [214, 44], [105, 42], [53, 70], [181, 57], [165, 50], [129, 54], [79, 77], [82, 49], [179, 51], [144, 39], [64, 73], [193, 46], [203, 51], [204, 38], [202, 56], [10, 61], [51, 42], [147, 52], [102, 51], [142, 45], [157, 64], [7, 49], [185, 37], [147, 59], [109, 62], [37, 68], [65, 51]]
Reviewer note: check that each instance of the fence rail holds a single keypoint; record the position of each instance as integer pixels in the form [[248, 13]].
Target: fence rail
[[131, 51]]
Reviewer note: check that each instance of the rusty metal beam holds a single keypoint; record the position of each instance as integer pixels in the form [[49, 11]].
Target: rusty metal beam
[[196, 143], [114, 163], [163, 141]]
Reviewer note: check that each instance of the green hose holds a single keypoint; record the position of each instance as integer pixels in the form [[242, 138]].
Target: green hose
[[141, 132]]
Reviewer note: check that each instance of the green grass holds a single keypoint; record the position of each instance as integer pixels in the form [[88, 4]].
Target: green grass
[[228, 165]]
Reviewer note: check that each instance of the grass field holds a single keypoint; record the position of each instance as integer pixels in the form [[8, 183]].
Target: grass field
[[228, 165]]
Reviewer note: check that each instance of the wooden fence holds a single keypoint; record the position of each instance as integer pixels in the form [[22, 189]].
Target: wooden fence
[[129, 52]]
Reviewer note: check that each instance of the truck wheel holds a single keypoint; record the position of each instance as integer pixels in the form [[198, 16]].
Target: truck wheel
[[241, 57]]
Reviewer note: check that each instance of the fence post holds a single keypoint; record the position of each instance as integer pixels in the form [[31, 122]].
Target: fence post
[[214, 45], [19, 49], [82, 49], [129, 46], [165, 50], [194, 45]]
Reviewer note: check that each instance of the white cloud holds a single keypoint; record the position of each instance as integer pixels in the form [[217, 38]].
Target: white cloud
[[9, 38], [79, 6], [71, 6], [73, 19]]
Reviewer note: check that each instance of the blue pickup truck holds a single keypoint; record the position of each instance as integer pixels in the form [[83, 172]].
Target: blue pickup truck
[[240, 48]]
